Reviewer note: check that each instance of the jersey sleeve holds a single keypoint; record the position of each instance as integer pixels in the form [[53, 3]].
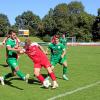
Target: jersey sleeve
[[49, 45], [8, 42], [34, 44], [63, 47]]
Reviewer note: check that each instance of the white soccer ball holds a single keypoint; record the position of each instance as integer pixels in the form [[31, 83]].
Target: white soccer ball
[[46, 83]]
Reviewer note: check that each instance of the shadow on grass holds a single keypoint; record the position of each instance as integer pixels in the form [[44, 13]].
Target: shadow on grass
[[4, 65], [59, 78], [35, 81], [7, 82], [30, 81]]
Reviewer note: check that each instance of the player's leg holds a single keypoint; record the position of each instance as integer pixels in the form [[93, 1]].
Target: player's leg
[[37, 69], [53, 77], [50, 68], [63, 61], [14, 65], [53, 64], [2, 78]]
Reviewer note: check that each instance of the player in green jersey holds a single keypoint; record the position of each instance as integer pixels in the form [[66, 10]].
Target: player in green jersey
[[12, 58], [63, 40], [58, 54]]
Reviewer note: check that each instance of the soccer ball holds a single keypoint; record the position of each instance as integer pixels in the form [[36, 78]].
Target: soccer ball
[[46, 83]]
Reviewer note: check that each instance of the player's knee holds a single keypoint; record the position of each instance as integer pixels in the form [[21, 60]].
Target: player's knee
[[14, 73], [36, 73], [65, 64], [49, 69], [16, 69]]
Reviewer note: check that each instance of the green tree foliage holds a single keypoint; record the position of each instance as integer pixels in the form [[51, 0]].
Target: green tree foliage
[[69, 18], [64, 18], [4, 24], [96, 29], [75, 7], [98, 11], [85, 22], [81, 22], [28, 20], [61, 17], [49, 23]]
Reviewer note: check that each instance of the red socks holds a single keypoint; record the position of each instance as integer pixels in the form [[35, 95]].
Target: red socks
[[40, 78], [52, 75]]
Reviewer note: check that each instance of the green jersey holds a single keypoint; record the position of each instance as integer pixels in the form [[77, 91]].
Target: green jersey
[[63, 41], [56, 50], [12, 43]]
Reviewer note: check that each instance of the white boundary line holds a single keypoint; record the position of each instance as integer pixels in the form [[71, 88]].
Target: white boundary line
[[74, 91]]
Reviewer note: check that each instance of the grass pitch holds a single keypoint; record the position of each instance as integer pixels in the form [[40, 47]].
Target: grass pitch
[[83, 70]]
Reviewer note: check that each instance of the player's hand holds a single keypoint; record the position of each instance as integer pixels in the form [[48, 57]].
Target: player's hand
[[46, 53], [21, 51], [62, 56]]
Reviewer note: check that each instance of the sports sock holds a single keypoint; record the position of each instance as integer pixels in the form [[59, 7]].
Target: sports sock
[[52, 75], [65, 69], [40, 78], [20, 74]]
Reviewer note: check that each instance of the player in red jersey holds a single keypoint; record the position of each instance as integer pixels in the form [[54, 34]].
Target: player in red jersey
[[37, 54]]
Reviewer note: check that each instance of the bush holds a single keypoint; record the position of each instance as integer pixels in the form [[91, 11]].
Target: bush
[[46, 38]]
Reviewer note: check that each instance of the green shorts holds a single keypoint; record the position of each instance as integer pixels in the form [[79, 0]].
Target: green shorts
[[12, 62], [54, 61]]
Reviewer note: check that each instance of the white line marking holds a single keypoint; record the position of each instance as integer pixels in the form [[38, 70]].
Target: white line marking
[[74, 91]]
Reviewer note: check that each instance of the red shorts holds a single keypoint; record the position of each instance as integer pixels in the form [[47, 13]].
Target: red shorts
[[41, 61]]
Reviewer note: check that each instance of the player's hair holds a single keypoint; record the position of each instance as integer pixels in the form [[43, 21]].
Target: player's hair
[[27, 41], [54, 37], [11, 31]]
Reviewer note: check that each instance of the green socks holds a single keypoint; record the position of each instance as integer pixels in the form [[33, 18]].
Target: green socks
[[20, 74], [65, 69]]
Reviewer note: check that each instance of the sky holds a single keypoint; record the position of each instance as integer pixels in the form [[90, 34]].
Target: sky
[[13, 8]]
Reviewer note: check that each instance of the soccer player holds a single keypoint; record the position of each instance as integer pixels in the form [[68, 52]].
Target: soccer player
[[58, 54], [37, 54], [17, 43], [63, 40], [12, 58], [16, 38]]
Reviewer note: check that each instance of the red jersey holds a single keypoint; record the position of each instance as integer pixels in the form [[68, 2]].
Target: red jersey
[[37, 56]]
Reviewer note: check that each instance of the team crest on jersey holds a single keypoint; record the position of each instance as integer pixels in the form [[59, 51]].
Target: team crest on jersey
[[58, 47]]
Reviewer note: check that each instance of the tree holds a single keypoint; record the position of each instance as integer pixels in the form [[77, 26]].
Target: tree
[[96, 29], [49, 23], [98, 11], [4, 24], [28, 20], [81, 22], [61, 17], [75, 7]]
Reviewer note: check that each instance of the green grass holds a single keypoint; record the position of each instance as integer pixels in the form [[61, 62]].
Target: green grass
[[84, 69]]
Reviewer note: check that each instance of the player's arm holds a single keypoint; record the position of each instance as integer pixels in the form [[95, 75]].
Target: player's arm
[[4, 41], [13, 49], [64, 53], [22, 51], [17, 42], [42, 49], [48, 49]]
